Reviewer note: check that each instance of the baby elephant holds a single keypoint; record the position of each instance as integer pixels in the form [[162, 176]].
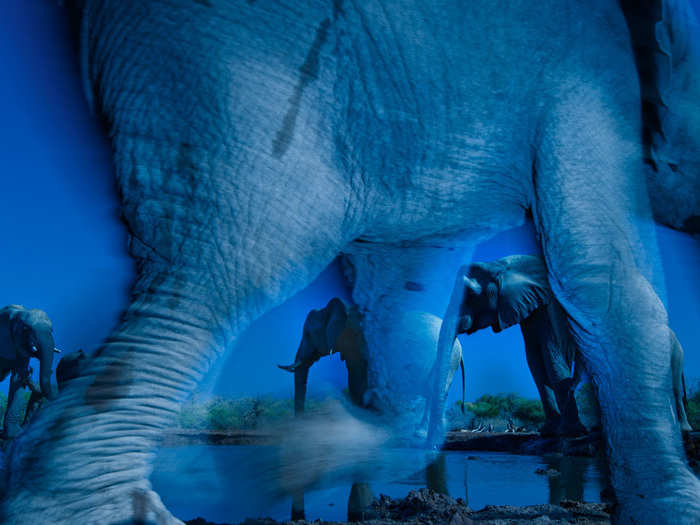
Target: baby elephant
[[514, 290]]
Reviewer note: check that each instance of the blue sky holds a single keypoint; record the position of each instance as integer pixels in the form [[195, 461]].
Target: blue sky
[[64, 248]]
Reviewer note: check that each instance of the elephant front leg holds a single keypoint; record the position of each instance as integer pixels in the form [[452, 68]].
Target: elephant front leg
[[535, 361], [593, 219], [13, 413]]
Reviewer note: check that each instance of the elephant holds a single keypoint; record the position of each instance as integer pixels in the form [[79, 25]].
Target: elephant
[[255, 141], [70, 367], [514, 290], [24, 334], [337, 328]]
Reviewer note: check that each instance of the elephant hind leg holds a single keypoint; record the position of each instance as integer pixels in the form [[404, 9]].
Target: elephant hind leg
[[592, 215]]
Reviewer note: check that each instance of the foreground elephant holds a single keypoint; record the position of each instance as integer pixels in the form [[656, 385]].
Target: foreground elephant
[[24, 334], [254, 141]]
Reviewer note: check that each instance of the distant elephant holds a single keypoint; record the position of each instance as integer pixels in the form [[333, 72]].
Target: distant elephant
[[24, 334], [515, 290], [255, 141], [337, 328], [70, 367]]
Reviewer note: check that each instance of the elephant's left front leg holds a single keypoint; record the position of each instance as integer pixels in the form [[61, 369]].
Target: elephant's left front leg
[[13, 413]]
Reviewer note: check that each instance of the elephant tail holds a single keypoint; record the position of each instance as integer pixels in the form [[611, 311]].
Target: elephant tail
[[461, 366]]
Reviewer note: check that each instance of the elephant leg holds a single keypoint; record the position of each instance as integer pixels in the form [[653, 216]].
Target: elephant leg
[[298, 507], [13, 413], [359, 502], [33, 405], [559, 376], [533, 353], [592, 216], [436, 475], [394, 287], [186, 307]]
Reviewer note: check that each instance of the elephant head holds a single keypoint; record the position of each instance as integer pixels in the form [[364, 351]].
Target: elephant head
[[496, 294], [321, 331], [70, 367], [32, 335]]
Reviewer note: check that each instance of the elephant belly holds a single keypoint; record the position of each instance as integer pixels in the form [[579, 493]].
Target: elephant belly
[[441, 127]]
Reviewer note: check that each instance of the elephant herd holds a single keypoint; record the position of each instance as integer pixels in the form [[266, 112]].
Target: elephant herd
[[497, 294], [254, 142]]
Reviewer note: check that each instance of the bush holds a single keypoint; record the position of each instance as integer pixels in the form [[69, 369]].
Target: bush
[[235, 414], [529, 412], [497, 410]]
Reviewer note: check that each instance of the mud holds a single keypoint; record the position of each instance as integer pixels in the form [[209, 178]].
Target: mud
[[424, 507]]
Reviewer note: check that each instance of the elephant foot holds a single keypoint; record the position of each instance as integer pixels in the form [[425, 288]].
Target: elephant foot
[[676, 503], [112, 507]]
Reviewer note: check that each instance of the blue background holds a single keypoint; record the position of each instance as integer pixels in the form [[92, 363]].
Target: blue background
[[64, 248]]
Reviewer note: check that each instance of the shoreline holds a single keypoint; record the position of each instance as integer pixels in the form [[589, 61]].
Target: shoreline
[[526, 443]]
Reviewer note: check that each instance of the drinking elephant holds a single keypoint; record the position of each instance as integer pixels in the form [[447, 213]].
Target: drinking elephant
[[24, 334], [515, 290], [255, 141], [337, 328]]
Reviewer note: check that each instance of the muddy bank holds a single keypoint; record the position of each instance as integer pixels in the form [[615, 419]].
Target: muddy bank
[[514, 443], [529, 443], [424, 507]]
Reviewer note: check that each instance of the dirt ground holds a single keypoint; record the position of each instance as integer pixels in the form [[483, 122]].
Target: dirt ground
[[424, 507]]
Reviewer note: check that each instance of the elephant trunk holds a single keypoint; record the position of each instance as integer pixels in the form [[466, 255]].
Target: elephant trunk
[[45, 348], [301, 376], [446, 339]]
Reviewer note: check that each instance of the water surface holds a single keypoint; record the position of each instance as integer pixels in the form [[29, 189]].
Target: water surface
[[220, 483]]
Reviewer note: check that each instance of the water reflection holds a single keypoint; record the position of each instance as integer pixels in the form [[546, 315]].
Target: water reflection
[[224, 484], [568, 484]]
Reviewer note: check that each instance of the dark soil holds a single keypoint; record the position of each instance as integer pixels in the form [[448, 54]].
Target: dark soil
[[424, 507]]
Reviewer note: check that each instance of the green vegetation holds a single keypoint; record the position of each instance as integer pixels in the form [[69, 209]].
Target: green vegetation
[[237, 414], [497, 410]]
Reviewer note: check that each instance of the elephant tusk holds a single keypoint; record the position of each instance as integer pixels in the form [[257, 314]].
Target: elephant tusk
[[56, 350], [288, 368]]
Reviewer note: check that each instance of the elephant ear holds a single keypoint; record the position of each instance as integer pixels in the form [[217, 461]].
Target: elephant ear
[[337, 321], [522, 289], [17, 313]]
